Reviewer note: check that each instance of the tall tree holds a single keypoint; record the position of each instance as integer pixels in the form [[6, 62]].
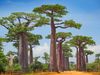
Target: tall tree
[[54, 13], [18, 24], [88, 52], [67, 53], [81, 42]]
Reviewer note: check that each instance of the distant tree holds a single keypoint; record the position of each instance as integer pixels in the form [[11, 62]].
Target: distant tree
[[97, 56], [33, 40], [81, 42], [67, 53], [88, 52], [54, 12]]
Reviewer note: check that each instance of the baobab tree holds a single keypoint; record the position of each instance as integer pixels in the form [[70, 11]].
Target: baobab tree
[[81, 42], [67, 53], [54, 13], [60, 38], [88, 52], [18, 24], [33, 40]]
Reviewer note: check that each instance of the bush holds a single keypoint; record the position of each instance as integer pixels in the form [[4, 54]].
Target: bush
[[17, 67], [2, 68], [45, 67], [37, 66]]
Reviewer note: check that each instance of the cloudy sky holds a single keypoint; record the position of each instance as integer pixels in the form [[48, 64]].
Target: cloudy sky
[[86, 12]]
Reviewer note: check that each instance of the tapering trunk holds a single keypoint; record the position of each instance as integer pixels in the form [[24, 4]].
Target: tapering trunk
[[83, 60], [23, 51], [60, 57], [86, 58], [82, 63], [53, 59], [67, 63], [77, 60], [31, 54]]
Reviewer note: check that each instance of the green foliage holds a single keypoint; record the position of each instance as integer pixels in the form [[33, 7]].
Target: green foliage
[[57, 9], [46, 57], [62, 35], [37, 66], [34, 38], [82, 41], [88, 52], [67, 50], [71, 23], [45, 67], [17, 67], [3, 61]]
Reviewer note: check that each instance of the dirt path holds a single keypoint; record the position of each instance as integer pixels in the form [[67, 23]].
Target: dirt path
[[66, 73]]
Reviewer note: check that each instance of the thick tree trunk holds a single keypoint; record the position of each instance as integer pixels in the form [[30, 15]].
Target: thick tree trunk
[[31, 54], [82, 63], [83, 60], [23, 51], [60, 59], [53, 58]]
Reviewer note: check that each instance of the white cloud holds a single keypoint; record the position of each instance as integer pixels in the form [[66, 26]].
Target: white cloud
[[39, 50], [96, 48]]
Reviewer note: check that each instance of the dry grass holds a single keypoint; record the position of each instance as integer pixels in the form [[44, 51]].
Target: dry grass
[[54, 73]]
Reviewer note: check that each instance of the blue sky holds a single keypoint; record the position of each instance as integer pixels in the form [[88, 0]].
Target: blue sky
[[86, 12]]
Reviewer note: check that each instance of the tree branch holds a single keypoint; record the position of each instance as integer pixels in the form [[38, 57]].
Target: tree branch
[[59, 23], [60, 27], [5, 27]]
